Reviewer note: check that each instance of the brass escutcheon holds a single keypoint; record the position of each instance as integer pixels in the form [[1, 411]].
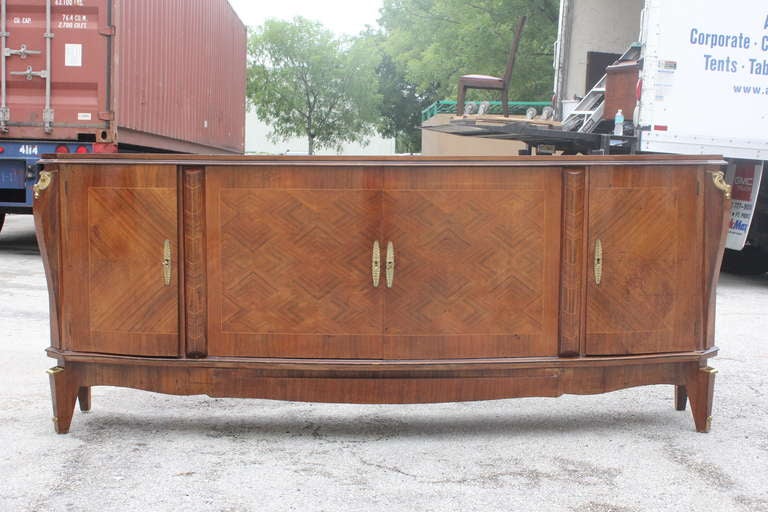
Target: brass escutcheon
[[376, 264], [390, 264], [598, 261], [167, 262]]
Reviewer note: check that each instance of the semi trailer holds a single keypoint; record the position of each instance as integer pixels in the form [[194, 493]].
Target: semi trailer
[[699, 86], [107, 76]]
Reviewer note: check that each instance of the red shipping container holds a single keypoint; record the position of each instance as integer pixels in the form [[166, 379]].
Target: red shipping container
[[149, 74]]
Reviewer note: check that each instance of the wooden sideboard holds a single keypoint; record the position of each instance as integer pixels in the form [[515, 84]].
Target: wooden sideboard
[[381, 280]]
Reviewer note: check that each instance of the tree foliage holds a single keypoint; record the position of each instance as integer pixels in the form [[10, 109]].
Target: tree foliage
[[436, 41], [401, 106], [303, 81]]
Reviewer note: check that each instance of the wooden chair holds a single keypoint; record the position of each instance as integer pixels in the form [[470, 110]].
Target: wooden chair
[[492, 82]]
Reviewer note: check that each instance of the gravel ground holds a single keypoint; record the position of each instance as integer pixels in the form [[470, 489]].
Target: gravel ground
[[625, 451]]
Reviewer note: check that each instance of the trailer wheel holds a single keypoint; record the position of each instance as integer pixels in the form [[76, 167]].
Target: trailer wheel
[[750, 261], [2, 220]]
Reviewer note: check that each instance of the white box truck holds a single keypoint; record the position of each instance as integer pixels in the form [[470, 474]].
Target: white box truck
[[703, 89]]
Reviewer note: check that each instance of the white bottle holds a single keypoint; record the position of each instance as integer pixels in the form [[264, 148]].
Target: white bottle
[[618, 123]]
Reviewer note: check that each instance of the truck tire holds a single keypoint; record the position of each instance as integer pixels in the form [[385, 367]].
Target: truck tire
[[750, 261]]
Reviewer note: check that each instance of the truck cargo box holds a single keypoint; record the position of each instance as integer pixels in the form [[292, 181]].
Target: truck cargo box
[[160, 74]]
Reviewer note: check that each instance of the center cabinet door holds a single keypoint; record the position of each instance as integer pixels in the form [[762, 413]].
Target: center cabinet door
[[476, 261], [289, 261]]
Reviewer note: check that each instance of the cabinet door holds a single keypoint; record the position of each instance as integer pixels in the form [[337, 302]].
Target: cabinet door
[[649, 225], [118, 222], [289, 261], [476, 262]]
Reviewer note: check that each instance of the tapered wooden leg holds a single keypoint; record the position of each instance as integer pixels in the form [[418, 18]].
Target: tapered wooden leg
[[681, 397], [64, 390], [84, 398], [700, 392]]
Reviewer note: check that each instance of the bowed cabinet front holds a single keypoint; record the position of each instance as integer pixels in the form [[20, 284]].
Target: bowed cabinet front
[[647, 224], [381, 280], [119, 223]]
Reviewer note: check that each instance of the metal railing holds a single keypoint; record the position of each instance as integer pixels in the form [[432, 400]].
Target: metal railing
[[494, 107]]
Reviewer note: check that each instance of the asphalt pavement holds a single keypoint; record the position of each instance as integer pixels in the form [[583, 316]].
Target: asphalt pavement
[[626, 451]]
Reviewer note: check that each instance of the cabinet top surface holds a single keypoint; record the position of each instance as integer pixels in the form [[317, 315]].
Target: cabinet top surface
[[389, 161]]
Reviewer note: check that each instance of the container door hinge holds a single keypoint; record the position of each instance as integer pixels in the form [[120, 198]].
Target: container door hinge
[[5, 116], [107, 116], [48, 120], [108, 31]]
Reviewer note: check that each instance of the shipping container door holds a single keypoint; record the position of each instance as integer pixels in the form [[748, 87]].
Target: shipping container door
[[56, 69]]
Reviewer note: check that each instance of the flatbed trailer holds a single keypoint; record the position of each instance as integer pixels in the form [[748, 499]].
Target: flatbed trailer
[[541, 137]]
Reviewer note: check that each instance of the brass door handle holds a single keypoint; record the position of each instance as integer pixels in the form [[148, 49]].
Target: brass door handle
[[376, 264], [167, 262], [390, 264], [598, 261]]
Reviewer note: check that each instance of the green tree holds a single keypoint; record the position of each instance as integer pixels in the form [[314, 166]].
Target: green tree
[[401, 106], [436, 41], [303, 81]]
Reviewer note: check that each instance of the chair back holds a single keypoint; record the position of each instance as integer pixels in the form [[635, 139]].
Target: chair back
[[513, 51]]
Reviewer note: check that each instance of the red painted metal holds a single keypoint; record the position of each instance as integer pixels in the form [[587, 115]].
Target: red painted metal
[[165, 74], [198, 94], [104, 148]]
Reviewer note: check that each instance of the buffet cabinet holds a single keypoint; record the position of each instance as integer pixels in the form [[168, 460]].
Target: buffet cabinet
[[381, 280]]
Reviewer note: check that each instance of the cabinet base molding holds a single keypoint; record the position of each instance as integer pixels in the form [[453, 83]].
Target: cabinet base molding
[[379, 382]]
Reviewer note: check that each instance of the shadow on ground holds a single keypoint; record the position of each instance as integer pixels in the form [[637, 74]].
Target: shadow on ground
[[18, 236]]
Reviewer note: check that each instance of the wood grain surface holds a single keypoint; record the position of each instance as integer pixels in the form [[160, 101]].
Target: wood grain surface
[[289, 262], [195, 285], [114, 297], [476, 262], [572, 265], [48, 232], [649, 221]]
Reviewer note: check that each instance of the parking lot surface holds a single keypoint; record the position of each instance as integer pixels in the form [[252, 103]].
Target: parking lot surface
[[625, 451]]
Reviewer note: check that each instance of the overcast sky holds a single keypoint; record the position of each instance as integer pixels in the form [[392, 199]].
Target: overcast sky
[[341, 16]]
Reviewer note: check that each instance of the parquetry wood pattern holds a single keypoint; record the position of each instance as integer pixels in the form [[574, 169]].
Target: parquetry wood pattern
[[649, 232], [127, 292], [476, 262], [467, 262], [116, 252], [298, 262]]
